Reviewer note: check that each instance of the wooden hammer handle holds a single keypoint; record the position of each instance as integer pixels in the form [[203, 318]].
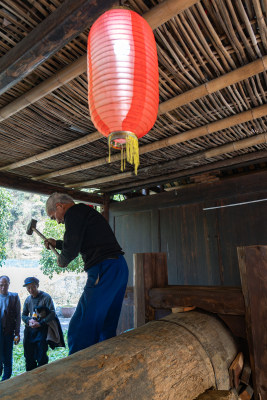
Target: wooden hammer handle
[[44, 238]]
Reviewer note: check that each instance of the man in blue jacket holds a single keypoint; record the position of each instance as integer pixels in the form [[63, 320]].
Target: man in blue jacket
[[88, 233], [9, 326]]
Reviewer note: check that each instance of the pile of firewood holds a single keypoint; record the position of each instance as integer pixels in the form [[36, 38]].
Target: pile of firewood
[[240, 379]]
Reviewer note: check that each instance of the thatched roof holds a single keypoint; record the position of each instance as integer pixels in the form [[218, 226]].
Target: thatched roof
[[212, 113]]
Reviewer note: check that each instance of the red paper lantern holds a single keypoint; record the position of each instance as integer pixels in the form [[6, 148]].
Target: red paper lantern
[[123, 90]]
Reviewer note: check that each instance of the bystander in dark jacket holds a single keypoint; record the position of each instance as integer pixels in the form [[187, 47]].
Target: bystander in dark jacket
[[9, 326], [35, 333]]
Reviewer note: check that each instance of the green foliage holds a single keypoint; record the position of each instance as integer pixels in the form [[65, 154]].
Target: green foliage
[[5, 205], [48, 259], [19, 360]]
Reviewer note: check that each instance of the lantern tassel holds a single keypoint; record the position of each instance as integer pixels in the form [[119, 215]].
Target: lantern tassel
[[129, 150]]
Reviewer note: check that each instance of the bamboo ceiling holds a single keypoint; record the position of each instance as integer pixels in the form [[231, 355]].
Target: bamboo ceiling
[[212, 113]]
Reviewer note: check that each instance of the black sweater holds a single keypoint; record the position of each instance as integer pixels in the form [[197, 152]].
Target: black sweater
[[88, 233]]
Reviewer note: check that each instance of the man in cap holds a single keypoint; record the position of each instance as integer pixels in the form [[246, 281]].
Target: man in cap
[[35, 333]]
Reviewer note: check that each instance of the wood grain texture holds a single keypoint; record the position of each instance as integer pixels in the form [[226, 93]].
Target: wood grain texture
[[179, 357], [150, 270], [217, 299]]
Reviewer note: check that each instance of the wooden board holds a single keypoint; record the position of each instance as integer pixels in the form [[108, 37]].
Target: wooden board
[[150, 270], [253, 272], [217, 299]]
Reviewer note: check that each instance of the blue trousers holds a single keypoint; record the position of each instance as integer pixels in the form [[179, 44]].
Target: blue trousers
[[6, 356], [98, 311]]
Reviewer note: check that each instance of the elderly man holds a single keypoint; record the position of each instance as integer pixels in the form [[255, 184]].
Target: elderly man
[[35, 333], [88, 233], [9, 326]]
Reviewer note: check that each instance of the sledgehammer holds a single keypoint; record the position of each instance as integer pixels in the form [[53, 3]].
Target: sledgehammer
[[32, 228]]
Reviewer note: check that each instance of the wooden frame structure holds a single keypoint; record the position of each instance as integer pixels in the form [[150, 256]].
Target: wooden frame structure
[[242, 305]]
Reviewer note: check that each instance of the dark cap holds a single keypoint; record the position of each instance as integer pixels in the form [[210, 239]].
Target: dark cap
[[31, 279]]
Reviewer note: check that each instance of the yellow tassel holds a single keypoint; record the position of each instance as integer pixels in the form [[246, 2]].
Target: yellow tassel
[[132, 151], [129, 151], [109, 149]]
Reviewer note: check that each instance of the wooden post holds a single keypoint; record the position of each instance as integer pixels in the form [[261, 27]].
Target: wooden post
[[253, 272], [150, 270], [105, 212]]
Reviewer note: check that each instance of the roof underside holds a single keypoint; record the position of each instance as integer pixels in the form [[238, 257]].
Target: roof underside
[[213, 123]]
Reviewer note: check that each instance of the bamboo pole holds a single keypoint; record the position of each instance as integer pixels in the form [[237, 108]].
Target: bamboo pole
[[163, 12], [227, 148], [155, 18], [53, 152], [231, 78], [54, 82], [213, 86], [204, 130]]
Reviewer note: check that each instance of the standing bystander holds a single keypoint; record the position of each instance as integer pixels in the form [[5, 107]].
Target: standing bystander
[[35, 333], [88, 233], [9, 326]]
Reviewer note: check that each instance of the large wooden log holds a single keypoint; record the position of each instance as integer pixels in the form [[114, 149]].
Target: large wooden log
[[178, 357]]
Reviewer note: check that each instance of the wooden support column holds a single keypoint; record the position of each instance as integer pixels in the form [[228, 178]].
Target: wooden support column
[[105, 212], [150, 270], [253, 273]]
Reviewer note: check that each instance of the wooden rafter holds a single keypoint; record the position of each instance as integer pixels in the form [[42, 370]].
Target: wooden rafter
[[242, 160], [11, 181], [204, 130], [180, 163], [155, 17], [64, 24], [231, 78]]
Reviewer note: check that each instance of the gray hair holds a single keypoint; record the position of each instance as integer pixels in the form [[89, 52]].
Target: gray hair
[[5, 277], [57, 198]]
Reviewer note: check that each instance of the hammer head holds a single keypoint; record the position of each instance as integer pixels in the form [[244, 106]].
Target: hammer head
[[30, 226]]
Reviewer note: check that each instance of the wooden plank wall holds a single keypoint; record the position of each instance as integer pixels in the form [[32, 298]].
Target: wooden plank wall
[[200, 244]]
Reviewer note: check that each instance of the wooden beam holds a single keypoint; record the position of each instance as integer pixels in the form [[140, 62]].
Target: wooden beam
[[17, 182], [253, 273], [216, 299], [253, 184], [55, 151], [171, 7], [204, 130], [214, 85], [60, 27], [181, 162], [239, 161], [150, 270], [164, 11], [79, 67]]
